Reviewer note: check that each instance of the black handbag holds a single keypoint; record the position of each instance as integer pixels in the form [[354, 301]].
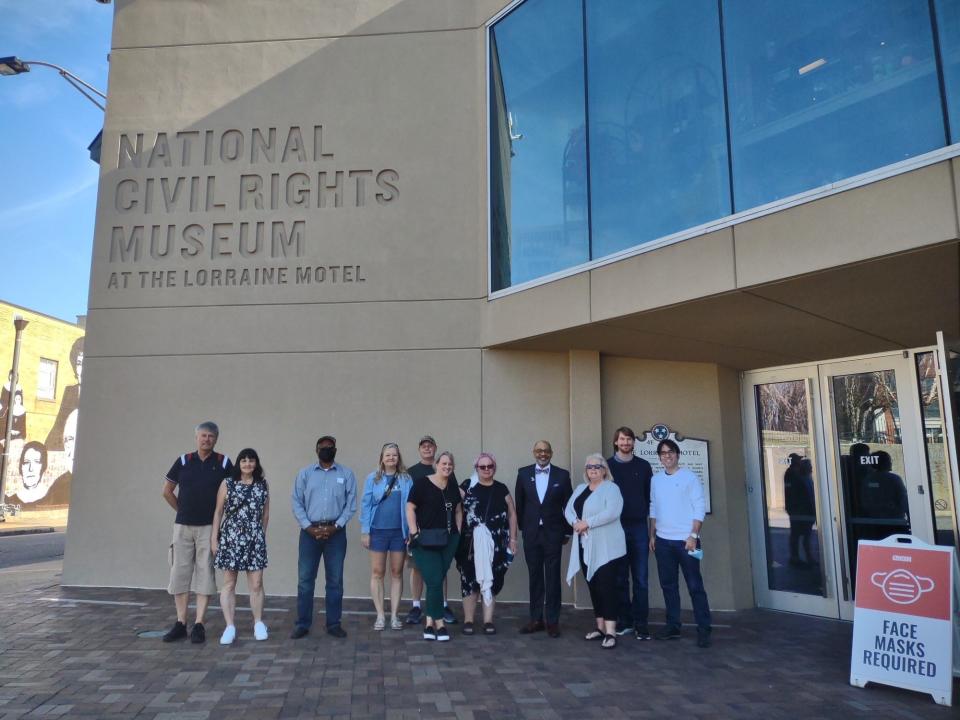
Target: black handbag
[[436, 538]]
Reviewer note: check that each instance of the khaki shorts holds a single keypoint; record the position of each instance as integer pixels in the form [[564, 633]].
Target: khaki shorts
[[191, 566]]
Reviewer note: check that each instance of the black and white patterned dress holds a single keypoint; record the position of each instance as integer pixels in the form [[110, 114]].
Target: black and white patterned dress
[[487, 505], [243, 542]]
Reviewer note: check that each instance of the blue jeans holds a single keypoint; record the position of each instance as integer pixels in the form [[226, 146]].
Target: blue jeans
[[635, 563], [333, 551], [671, 556]]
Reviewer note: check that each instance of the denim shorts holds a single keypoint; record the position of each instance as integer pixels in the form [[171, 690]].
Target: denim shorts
[[387, 540]]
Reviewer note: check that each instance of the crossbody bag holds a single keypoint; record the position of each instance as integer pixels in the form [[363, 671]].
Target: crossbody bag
[[436, 538]]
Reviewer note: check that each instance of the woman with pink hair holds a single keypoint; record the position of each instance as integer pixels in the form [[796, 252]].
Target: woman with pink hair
[[488, 541]]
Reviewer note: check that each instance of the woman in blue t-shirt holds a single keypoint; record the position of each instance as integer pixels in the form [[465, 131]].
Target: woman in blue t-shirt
[[383, 524]]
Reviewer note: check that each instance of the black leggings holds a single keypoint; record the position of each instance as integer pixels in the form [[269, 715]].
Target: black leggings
[[603, 590]]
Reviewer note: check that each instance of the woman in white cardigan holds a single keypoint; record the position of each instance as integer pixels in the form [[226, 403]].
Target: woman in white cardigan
[[598, 543]]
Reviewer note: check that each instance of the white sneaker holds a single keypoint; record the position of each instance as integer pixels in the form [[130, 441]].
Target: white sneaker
[[259, 631], [229, 635]]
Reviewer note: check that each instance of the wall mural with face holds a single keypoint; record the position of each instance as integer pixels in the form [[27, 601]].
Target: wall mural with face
[[40, 473]]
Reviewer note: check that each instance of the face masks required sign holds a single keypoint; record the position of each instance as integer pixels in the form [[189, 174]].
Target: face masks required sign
[[694, 453], [903, 629]]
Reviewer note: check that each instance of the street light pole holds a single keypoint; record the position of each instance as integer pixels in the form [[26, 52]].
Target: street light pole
[[19, 323], [13, 65]]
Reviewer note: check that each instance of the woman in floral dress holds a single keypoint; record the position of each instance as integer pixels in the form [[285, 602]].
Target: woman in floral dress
[[239, 539]]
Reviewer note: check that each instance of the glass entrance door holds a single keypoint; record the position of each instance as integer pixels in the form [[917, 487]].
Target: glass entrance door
[[878, 474], [835, 455], [788, 493]]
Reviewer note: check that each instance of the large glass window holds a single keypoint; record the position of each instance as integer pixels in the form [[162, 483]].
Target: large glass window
[[822, 90], [538, 158], [617, 122], [948, 32], [658, 146]]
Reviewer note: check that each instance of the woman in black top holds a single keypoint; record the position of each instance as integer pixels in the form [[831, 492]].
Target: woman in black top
[[435, 514], [488, 544]]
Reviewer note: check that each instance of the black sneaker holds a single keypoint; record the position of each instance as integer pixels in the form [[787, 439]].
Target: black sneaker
[[414, 617], [177, 632], [642, 632], [703, 638], [336, 631], [429, 633], [448, 617], [197, 634], [669, 632], [298, 632], [623, 628], [442, 635]]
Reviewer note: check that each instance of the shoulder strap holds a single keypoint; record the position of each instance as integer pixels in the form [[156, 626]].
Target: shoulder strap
[[447, 505]]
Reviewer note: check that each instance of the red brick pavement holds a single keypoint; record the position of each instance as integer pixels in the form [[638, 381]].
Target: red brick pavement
[[84, 659]]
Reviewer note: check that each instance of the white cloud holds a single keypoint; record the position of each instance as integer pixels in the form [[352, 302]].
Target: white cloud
[[27, 20], [28, 94], [49, 204]]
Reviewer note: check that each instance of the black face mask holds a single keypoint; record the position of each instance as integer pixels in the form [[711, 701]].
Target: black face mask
[[327, 454]]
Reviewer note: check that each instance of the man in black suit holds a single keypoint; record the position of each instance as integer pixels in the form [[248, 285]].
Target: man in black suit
[[541, 495]]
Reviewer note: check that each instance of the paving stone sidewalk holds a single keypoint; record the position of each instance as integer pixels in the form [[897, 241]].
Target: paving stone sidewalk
[[71, 652]]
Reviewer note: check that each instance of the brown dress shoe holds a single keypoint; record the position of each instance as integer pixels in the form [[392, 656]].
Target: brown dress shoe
[[532, 627], [553, 630]]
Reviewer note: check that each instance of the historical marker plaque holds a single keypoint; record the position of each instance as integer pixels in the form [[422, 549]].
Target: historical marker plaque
[[694, 454]]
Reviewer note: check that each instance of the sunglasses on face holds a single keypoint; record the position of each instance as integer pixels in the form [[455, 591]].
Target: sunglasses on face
[[593, 467], [484, 467]]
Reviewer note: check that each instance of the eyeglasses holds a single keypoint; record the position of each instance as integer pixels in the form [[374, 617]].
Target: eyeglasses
[[485, 467], [593, 467]]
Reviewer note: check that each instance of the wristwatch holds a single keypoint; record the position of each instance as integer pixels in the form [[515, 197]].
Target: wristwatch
[[695, 536]]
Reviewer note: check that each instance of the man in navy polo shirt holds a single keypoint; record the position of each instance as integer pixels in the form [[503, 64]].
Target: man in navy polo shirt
[[190, 488], [632, 475]]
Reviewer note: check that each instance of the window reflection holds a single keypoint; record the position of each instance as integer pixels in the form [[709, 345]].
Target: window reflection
[[790, 97], [867, 414], [934, 440], [658, 148], [948, 32], [822, 90], [789, 489], [538, 142]]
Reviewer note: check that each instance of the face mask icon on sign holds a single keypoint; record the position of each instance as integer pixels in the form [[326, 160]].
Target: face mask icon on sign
[[902, 586]]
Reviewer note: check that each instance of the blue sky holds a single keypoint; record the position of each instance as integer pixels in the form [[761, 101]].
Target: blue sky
[[48, 204]]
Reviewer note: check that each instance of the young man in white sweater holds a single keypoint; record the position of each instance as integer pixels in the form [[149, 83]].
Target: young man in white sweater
[[677, 510]]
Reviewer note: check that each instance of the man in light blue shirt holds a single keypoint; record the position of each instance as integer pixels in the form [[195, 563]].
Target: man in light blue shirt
[[324, 500]]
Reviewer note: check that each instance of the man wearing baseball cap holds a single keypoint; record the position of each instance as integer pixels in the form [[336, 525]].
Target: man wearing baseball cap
[[324, 500], [426, 466]]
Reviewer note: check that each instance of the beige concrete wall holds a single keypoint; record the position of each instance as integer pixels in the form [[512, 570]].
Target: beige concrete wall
[[399, 88], [386, 350], [524, 399], [144, 410], [697, 400], [916, 209], [175, 22]]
